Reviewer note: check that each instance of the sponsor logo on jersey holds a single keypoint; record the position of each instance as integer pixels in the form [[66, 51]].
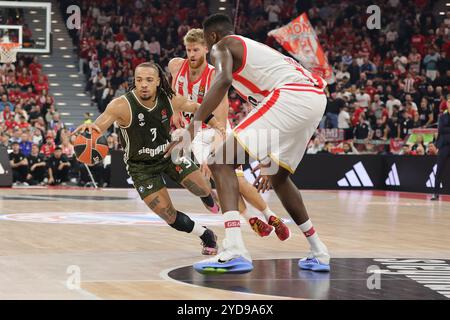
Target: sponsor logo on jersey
[[164, 115], [141, 119], [154, 152], [201, 91]]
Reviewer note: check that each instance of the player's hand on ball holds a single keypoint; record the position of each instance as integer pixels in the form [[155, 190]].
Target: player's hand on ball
[[87, 127]]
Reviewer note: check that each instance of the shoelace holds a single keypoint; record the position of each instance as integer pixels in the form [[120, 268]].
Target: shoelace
[[259, 224], [276, 222]]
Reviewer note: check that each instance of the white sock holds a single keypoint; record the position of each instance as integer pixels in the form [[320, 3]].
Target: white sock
[[233, 234], [247, 215], [198, 229], [317, 246], [268, 213]]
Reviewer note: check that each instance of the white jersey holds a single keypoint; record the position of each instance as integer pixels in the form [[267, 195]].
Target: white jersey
[[264, 69], [194, 90]]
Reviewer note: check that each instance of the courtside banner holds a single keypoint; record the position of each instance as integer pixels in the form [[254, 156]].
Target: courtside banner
[[326, 171], [300, 40]]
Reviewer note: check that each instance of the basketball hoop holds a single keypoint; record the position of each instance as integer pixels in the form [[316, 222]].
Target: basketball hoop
[[8, 51]]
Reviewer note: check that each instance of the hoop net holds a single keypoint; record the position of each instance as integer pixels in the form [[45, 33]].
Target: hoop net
[[8, 52]]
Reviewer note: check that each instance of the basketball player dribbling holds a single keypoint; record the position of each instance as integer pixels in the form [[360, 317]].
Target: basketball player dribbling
[[192, 78], [288, 99], [144, 115]]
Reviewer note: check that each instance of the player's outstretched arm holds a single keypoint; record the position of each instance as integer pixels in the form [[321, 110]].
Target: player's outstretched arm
[[223, 62], [181, 103], [115, 111]]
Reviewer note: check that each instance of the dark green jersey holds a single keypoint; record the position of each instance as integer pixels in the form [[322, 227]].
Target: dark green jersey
[[148, 134]]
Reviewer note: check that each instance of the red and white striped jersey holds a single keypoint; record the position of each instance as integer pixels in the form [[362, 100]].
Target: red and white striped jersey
[[264, 69], [195, 90]]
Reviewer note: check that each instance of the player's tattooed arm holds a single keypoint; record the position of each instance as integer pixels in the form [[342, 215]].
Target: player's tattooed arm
[[117, 110]]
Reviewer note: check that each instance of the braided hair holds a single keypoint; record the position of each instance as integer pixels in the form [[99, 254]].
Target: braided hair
[[164, 85]]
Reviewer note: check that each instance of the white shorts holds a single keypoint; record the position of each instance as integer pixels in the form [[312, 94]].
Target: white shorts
[[281, 126]]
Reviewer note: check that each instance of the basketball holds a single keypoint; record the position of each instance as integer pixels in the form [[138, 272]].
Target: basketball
[[90, 148]]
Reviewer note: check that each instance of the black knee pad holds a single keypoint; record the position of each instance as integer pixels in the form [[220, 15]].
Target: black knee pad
[[182, 223]]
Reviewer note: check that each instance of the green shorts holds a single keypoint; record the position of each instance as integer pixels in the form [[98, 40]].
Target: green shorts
[[148, 179]]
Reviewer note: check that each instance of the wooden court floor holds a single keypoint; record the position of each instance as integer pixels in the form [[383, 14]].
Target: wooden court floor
[[105, 244]]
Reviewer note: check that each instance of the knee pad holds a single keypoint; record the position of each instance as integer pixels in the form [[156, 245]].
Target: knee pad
[[182, 223]]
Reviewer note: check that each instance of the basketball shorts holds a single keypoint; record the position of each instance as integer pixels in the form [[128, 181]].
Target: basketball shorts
[[148, 178], [281, 126]]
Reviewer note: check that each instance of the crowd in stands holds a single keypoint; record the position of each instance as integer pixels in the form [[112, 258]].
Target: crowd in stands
[[387, 82], [40, 146]]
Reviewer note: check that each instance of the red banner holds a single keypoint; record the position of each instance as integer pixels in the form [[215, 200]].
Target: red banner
[[300, 40]]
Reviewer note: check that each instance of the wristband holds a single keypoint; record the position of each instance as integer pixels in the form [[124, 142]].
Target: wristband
[[208, 118]]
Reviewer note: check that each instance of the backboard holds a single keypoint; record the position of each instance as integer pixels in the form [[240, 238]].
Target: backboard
[[28, 23]]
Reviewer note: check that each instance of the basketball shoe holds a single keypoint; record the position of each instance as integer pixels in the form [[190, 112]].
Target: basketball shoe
[[316, 262], [230, 260], [281, 230], [216, 207], [260, 227], [209, 243]]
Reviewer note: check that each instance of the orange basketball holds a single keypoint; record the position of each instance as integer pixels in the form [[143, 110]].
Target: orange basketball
[[90, 148]]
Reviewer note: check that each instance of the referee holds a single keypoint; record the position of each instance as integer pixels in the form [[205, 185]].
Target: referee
[[443, 143]]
